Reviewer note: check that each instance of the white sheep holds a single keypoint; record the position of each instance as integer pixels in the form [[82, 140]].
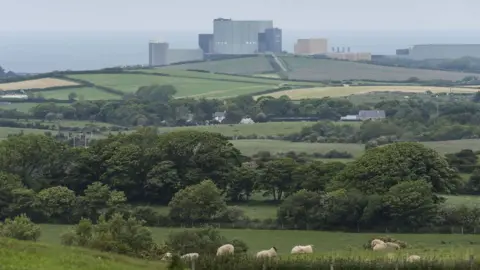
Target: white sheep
[[302, 249], [190, 256], [225, 249], [413, 258], [376, 241], [167, 256], [380, 247], [267, 253], [392, 245]]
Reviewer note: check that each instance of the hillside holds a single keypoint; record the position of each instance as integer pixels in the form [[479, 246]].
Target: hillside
[[16, 255], [302, 68]]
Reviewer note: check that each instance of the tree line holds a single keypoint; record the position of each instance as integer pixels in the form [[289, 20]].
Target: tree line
[[199, 175]]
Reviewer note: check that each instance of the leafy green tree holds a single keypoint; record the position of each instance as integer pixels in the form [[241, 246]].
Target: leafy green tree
[[197, 203], [345, 208], [72, 96], [9, 185], [411, 204], [381, 168], [473, 184], [303, 209], [98, 199], [277, 178], [315, 175], [57, 203], [242, 182]]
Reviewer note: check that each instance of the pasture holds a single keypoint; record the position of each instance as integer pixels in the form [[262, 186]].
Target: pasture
[[5, 131], [186, 87], [83, 93], [16, 255], [341, 91], [304, 68], [330, 243], [242, 66], [36, 84], [21, 107]]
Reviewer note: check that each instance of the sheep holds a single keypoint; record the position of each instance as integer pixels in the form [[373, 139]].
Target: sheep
[[267, 253], [225, 249], [376, 241], [302, 249], [380, 247], [393, 245], [190, 256], [413, 258], [167, 256]]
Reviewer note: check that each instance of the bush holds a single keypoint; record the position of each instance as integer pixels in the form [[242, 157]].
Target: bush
[[205, 241], [147, 214], [21, 228]]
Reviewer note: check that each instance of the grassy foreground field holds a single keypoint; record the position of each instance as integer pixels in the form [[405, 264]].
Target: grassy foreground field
[[36, 84], [341, 244], [321, 92], [16, 255], [186, 87], [304, 68]]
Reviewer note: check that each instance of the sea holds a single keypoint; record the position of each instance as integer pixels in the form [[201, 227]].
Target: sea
[[44, 51]]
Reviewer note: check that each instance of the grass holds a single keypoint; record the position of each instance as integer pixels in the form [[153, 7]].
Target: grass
[[244, 66], [23, 255], [186, 87], [65, 123], [250, 147], [304, 68], [337, 242], [36, 84], [21, 107], [5, 131], [320, 92], [85, 93]]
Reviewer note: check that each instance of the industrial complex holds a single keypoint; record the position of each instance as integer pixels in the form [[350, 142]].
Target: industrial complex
[[247, 37]]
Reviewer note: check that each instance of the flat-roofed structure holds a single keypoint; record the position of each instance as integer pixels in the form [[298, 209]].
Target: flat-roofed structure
[[311, 46]]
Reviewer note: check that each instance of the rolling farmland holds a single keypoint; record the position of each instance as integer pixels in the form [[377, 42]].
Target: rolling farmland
[[339, 91], [303, 68], [36, 84], [85, 93]]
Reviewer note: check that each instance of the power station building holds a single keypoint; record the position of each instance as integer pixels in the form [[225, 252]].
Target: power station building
[[160, 54], [440, 51], [311, 46]]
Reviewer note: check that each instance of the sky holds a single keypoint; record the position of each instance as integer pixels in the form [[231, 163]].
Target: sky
[[195, 15]]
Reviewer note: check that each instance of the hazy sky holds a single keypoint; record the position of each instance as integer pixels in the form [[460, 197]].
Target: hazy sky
[[179, 15]]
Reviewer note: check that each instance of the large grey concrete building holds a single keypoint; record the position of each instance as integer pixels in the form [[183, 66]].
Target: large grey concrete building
[[160, 54], [237, 37], [205, 42], [440, 51]]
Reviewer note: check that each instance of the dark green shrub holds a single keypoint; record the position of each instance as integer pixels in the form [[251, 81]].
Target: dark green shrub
[[21, 228]]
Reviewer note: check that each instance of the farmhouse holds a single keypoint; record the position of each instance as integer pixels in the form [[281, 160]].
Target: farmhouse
[[219, 116], [365, 115]]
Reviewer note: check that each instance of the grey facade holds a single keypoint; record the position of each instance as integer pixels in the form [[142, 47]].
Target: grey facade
[[273, 40], [157, 53], [205, 42], [184, 55], [371, 114], [441, 51], [237, 37]]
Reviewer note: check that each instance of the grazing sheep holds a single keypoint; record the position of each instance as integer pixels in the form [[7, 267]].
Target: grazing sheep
[[167, 256], [376, 241], [225, 249], [190, 256], [302, 249], [380, 247], [267, 253], [413, 258], [393, 245]]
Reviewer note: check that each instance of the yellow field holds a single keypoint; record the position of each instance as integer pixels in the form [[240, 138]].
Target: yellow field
[[36, 84], [339, 91]]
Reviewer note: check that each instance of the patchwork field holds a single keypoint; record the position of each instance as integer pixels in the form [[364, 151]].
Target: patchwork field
[[320, 92], [5, 131], [85, 93], [243, 66], [36, 84], [21, 107], [191, 87], [304, 68]]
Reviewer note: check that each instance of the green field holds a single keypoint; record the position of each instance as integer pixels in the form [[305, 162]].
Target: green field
[[85, 93], [25, 255], [304, 68], [186, 87], [65, 123], [21, 107], [324, 242], [5, 131], [250, 147], [244, 66]]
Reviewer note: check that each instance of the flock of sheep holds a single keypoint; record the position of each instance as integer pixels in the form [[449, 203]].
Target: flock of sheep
[[228, 249], [379, 245]]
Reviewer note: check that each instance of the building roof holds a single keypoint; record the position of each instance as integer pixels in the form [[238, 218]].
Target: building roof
[[219, 114], [349, 117], [371, 114]]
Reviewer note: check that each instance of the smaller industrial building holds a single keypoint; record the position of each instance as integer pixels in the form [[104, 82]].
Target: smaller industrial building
[[439, 51], [311, 46], [160, 54], [349, 56]]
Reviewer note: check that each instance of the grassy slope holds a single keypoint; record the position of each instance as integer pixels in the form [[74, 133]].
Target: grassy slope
[[88, 93], [21, 107], [24, 255], [323, 241], [320, 92], [248, 66], [129, 83], [323, 69], [36, 84]]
